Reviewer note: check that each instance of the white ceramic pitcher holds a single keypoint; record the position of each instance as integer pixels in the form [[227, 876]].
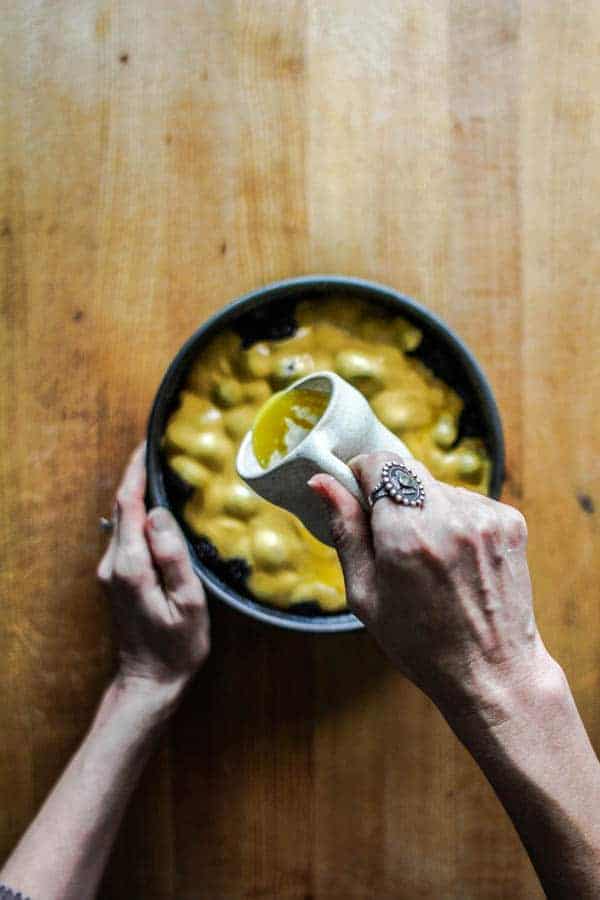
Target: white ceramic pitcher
[[347, 427]]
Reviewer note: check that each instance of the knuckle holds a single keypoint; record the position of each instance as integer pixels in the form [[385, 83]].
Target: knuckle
[[102, 574], [346, 528], [359, 594], [169, 618], [466, 535], [170, 626], [192, 608], [354, 518], [395, 546], [365, 460], [128, 579], [488, 524], [367, 466], [130, 565], [123, 499], [172, 551], [339, 531], [460, 548], [516, 526], [431, 555], [174, 557], [411, 547], [458, 530], [190, 598]]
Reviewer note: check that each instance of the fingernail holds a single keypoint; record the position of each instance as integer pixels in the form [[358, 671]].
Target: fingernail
[[160, 519], [321, 492], [317, 488]]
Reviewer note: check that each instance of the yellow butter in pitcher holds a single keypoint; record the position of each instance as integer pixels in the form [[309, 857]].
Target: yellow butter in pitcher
[[284, 421]]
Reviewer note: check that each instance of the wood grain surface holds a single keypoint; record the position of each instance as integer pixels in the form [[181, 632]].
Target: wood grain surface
[[159, 159]]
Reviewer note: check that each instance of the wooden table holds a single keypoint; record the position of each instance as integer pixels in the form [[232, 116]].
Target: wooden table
[[162, 158]]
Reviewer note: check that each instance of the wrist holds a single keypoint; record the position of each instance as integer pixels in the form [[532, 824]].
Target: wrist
[[146, 702], [511, 699]]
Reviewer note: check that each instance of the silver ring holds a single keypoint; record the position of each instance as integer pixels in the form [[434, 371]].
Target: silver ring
[[107, 524], [400, 484]]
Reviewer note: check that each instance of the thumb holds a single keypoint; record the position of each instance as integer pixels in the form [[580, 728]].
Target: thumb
[[351, 533]]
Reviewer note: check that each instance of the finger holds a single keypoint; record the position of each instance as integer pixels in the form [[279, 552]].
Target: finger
[[367, 469], [351, 532], [132, 560], [130, 515], [130, 506], [392, 521], [172, 558]]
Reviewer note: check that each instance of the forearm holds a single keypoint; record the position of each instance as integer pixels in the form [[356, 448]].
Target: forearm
[[543, 768], [63, 853]]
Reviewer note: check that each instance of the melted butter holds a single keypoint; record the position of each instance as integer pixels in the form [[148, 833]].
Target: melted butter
[[284, 421], [225, 390]]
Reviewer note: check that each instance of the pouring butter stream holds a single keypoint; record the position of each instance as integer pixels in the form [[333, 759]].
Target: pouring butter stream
[[284, 421]]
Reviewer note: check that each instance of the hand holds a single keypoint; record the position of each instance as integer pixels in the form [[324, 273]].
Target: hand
[[444, 589], [158, 602]]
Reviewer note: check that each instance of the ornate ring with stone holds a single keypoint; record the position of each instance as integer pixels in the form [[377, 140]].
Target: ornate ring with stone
[[400, 485]]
